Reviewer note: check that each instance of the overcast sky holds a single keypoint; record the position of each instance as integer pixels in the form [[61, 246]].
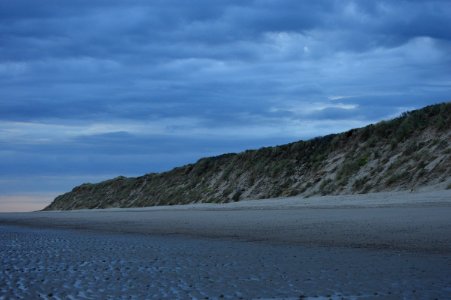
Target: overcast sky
[[90, 90]]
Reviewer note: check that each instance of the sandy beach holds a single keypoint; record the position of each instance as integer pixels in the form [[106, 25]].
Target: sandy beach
[[387, 245], [404, 221]]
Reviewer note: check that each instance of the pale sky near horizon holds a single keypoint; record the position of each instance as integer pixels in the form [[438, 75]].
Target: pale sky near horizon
[[91, 90]]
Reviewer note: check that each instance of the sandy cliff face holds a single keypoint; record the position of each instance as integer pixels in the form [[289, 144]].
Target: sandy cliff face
[[405, 153]]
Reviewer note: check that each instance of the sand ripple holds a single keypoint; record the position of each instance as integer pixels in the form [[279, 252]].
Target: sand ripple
[[64, 264]]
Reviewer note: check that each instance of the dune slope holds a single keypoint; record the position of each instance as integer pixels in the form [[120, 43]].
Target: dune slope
[[405, 153]]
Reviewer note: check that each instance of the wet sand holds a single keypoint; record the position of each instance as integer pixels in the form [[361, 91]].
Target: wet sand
[[68, 264], [380, 246]]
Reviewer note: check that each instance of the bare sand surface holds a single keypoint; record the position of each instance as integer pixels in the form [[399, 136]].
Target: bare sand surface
[[407, 221], [380, 246], [74, 264]]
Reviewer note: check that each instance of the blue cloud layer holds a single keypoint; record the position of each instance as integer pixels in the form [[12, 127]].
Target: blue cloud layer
[[91, 89]]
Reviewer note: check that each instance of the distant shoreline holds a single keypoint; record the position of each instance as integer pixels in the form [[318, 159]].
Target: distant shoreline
[[417, 221]]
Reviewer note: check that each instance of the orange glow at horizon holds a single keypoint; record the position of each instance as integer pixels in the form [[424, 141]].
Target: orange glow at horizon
[[24, 203]]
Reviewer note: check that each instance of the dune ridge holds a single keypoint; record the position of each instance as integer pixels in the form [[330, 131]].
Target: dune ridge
[[406, 153]]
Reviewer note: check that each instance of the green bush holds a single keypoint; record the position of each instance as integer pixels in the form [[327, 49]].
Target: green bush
[[327, 187], [352, 166]]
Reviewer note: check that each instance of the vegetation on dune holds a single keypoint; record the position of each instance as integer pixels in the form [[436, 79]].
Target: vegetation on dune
[[404, 153]]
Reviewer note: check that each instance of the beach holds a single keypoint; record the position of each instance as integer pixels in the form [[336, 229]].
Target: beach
[[386, 245]]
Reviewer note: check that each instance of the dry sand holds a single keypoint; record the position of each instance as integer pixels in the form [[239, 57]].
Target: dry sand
[[380, 246], [408, 221]]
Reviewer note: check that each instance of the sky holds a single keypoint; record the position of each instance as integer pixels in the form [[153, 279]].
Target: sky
[[94, 89]]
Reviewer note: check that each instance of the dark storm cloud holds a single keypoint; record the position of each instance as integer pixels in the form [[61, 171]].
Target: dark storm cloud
[[127, 87]]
